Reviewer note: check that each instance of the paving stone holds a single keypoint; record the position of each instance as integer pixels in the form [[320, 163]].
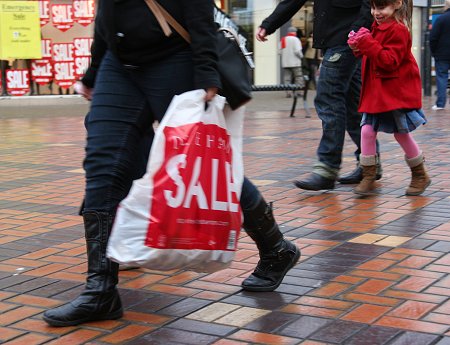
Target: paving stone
[[337, 332], [184, 307], [440, 246], [155, 303], [57, 289], [374, 335], [272, 322], [409, 338], [417, 243], [30, 286], [176, 337], [12, 280], [304, 327], [373, 271], [202, 327], [444, 341], [270, 301]]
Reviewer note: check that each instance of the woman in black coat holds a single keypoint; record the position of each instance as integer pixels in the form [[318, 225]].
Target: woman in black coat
[[136, 70]]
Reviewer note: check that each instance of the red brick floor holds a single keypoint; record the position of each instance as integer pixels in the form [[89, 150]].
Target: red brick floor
[[373, 271]]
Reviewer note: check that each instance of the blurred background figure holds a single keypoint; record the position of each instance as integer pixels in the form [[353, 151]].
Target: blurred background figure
[[440, 49], [312, 60], [291, 59]]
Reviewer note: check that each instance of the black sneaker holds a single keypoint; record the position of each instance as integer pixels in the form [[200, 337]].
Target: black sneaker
[[272, 267]]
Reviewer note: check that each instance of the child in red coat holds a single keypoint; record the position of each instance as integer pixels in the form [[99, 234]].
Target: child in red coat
[[391, 94]]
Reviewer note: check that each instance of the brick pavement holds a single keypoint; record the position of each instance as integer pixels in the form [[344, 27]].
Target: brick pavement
[[373, 271]]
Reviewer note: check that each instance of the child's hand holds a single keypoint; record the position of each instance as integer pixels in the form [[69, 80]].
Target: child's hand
[[355, 37], [351, 40], [363, 31]]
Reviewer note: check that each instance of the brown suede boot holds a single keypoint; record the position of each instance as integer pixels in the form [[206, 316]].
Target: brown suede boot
[[419, 176], [367, 184]]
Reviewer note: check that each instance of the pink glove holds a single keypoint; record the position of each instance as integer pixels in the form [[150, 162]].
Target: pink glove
[[363, 32], [351, 38], [355, 37]]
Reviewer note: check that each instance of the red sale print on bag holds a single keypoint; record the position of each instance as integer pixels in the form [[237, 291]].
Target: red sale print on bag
[[195, 185]]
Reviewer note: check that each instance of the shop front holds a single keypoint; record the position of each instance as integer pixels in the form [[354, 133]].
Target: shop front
[[66, 27], [250, 13], [64, 35]]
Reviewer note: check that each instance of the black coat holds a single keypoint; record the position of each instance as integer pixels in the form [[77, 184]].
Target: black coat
[[333, 19], [141, 40], [440, 37]]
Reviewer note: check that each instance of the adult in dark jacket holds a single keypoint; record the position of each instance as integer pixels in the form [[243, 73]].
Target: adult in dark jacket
[[339, 82], [136, 70], [440, 49]]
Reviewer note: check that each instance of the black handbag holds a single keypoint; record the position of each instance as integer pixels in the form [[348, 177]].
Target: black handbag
[[233, 66]]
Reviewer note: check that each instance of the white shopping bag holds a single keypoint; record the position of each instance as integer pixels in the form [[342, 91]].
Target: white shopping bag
[[184, 212]]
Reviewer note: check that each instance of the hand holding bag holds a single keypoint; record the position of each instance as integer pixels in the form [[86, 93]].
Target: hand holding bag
[[234, 64], [184, 213]]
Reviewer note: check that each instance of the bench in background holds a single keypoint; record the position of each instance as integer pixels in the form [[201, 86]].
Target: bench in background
[[287, 87]]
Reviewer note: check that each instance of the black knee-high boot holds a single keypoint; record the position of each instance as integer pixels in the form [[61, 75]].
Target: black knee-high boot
[[100, 299], [277, 255]]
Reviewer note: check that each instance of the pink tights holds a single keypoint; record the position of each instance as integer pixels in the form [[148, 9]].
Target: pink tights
[[406, 141]]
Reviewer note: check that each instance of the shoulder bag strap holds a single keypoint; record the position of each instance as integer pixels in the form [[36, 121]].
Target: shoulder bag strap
[[165, 19]]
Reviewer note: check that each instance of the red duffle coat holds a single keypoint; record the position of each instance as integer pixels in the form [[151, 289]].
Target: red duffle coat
[[390, 75]]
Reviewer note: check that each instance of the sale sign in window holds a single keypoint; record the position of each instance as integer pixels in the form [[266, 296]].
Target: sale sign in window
[[17, 82], [20, 30]]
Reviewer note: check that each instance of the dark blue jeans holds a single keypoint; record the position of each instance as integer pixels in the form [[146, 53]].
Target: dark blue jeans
[[125, 104], [336, 102], [442, 68]]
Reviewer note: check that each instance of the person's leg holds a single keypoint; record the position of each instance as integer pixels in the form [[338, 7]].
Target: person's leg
[[112, 141], [298, 76], [354, 130], [119, 128], [442, 68], [368, 161], [277, 255], [416, 162], [368, 141], [408, 144], [287, 79], [336, 72], [353, 122]]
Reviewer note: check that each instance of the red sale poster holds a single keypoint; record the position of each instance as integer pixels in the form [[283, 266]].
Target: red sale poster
[[42, 69], [44, 11], [83, 11], [82, 54], [17, 82], [63, 64], [62, 16]]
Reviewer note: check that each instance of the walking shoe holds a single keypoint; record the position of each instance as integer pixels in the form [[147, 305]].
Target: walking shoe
[[435, 107], [272, 267], [315, 182], [356, 175], [367, 184], [353, 177], [419, 176]]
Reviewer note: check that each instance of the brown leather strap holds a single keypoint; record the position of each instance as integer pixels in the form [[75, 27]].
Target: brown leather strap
[[165, 19]]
